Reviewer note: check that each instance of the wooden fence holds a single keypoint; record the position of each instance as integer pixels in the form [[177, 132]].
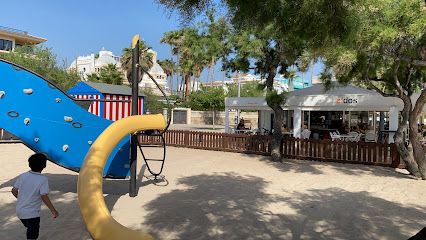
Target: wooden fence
[[213, 141], [370, 153], [381, 154]]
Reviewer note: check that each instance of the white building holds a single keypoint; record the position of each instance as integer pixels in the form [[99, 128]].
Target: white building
[[157, 73], [87, 65]]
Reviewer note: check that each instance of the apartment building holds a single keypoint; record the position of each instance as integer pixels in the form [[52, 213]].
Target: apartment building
[[11, 38]]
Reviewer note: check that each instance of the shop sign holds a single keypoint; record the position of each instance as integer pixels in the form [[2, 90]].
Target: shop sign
[[347, 100]]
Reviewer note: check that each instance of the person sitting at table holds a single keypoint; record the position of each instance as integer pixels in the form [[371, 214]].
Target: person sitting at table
[[358, 129], [368, 129], [305, 131], [241, 124], [344, 128], [284, 128]]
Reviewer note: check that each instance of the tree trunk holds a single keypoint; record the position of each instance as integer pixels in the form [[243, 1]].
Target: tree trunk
[[277, 136], [212, 71], [193, 84], [171, 75], [177, 72], [419, 154], [208, 74], [273, 61], [312, 74], [406, 152], [187, 84], [213, 118]]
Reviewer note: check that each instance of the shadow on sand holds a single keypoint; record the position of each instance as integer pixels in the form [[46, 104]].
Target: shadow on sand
[[237, 207]]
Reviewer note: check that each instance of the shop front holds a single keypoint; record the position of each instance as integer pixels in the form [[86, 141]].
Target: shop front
[[323, 112]]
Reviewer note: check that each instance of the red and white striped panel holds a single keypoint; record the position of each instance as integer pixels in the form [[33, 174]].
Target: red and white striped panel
[[118, 110], [95, 107]]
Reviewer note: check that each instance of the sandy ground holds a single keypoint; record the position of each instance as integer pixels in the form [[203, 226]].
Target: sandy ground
[[219, 195]]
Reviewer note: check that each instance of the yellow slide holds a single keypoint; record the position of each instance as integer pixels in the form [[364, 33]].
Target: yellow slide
[[95, 213]]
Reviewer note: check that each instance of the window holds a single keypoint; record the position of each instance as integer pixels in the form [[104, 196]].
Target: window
[[5, 45]]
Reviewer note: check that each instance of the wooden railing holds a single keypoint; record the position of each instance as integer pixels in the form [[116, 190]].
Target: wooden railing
[[370, 153], [213, 141], [380, 154]]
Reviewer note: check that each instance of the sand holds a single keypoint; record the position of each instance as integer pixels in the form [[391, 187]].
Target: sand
[[219, 195]]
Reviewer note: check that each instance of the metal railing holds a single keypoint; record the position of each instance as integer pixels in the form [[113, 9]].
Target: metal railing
[[13, 30]]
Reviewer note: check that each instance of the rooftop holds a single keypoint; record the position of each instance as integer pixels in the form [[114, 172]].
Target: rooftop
[[21, 36]]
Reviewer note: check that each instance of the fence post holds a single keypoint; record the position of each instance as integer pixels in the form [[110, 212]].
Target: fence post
[[186, 138]]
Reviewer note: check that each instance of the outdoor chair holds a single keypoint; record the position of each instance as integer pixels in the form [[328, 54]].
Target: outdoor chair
[[254, 131], [334, 136], [370, 137], [353, 134], [356, 138]]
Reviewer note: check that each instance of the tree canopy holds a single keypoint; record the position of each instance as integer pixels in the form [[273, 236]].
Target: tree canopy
[[108, 74], [208, 99], [388, 54], [43, 61]]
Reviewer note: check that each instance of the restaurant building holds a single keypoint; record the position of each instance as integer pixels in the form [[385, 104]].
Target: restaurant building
[[324, 111]]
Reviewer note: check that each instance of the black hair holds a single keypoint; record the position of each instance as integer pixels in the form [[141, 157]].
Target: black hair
[[37, 162]]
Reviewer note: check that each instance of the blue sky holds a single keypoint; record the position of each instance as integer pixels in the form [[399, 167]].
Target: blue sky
[[81, 27]]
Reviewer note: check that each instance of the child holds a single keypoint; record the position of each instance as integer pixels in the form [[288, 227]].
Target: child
[[33, 189]]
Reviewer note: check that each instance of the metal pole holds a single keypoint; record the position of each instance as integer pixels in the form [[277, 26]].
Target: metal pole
[[135, 96], [239, 89], [381, 126]]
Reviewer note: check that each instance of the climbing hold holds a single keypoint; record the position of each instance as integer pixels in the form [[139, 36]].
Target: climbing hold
[[58, 100], [28, 91], [13, 114], [120, 150], [65, 147], [2, 93], [51, 85], [89, 142], [36, 140], [16, 68], [68, 119], [27, 121]]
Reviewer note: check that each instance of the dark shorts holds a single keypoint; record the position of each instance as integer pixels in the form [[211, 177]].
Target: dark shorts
[[33, 226]]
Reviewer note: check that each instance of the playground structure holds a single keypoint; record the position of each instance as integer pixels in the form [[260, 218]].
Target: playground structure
[[90, 197], [47, 120]]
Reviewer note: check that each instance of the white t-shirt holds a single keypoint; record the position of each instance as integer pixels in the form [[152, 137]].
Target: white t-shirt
[[304, 132], [31, 186]]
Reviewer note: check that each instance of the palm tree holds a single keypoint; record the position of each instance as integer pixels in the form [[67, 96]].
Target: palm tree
[[178, 38], [145, 60], [303, 66], [168, 38], [290, 75], [168, 67]]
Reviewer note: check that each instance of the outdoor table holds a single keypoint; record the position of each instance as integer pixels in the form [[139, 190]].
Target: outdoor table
[[344, 137], [287, 134], [242, 131]]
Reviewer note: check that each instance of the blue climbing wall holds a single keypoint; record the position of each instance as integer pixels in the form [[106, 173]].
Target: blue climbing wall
[[47, 120]]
